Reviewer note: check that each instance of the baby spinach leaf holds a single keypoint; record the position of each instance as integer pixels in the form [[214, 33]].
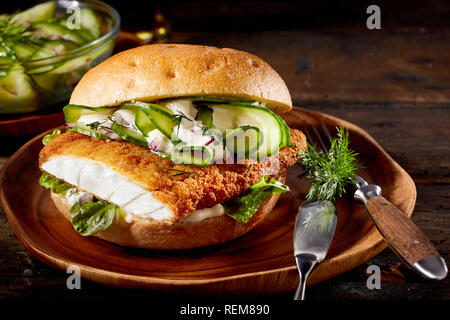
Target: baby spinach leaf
[[56, 186], [244, 207], [93, 216]]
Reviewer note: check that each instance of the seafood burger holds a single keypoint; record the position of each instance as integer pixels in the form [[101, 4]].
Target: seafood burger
[[172, 147]]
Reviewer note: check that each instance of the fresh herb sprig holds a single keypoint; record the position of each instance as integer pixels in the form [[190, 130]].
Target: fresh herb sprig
[[180, 115], [100, 124], [181, 172], [333, 172], [10, 32]]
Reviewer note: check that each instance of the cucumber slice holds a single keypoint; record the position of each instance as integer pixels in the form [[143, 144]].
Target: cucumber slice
[[68, 72], [143, 122], [160, 116], [83, 33], [48, 82], [86, 35], [129, 135], [200, 99], [227, 117], [17, 91], [282, 124], [54, 48], [198, 156], [23, 51], [7, 57], [89, 21], [130, 108], [205, 115], [88, 132], [244, 141], [284, 130], [6, 53], [73, 112], [143, 105], [163, 120], [55, 30], [247, 103], [51, 48], [40, 12], [52, 77]]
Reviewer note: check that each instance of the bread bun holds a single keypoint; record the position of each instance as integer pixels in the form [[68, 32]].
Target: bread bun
[[159, 71], [146, 233]]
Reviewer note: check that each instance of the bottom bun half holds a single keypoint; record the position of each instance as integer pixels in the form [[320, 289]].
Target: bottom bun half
[[146, 233]]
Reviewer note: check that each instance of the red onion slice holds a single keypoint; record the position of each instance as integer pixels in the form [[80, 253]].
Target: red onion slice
[[85, 197], [153, 146], [120, 120], [209, 142], [110, 134]]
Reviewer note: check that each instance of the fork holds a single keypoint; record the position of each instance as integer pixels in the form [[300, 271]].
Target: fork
[[406, 239]]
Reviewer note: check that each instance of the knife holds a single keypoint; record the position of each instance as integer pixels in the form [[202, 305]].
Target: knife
[[314, 229], [401, 234]]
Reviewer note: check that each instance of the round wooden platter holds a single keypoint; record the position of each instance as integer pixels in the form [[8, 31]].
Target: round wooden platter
[[260, 262]]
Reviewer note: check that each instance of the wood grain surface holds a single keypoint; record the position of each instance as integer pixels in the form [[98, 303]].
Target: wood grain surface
[[404, 237], [356, 66], [412, 127], [261, 261], [24, 276]]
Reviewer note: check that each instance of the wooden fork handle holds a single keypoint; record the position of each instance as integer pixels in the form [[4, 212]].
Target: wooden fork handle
[[405, 238]]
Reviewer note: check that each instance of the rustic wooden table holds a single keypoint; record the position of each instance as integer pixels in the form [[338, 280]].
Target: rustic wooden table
[[395, 85]]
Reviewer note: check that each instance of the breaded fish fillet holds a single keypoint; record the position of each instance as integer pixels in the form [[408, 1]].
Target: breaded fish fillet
[[182, 188]]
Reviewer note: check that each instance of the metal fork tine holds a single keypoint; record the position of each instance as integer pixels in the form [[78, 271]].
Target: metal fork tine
[[327, 133], [309, 137], [319, 137]]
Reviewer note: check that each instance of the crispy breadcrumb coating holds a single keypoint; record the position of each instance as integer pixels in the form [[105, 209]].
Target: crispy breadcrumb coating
[[209, 185]]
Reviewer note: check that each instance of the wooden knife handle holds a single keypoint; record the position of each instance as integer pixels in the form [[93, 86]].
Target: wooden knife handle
[[402, 235]]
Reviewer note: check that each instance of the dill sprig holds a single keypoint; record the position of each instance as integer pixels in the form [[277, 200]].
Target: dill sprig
[[181, 172], [180, 115], [11, 33], [331, 173], [99, 124]]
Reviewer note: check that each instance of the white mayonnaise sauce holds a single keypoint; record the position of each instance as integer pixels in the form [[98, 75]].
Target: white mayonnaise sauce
[[206, 213], [93, 117], [159, 142]]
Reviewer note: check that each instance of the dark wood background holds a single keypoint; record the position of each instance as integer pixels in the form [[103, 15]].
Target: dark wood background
[[393, 82]]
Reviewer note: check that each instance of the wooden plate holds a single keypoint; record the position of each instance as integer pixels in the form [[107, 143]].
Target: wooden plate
[[259, 262]]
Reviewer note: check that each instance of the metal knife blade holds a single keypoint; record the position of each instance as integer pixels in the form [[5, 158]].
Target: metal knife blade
[[314, 229]]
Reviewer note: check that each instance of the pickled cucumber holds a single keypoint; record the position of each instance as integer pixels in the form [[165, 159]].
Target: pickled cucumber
[[40, 12], [17, 91], [28, 42]]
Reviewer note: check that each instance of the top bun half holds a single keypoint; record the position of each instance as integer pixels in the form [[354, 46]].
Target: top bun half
[[160, 71]]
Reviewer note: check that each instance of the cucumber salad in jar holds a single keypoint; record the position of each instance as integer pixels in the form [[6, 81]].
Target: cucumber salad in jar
[[44, 51]]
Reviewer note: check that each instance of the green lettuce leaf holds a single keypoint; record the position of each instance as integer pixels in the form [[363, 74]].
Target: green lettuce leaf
[[48, 182], [93, 216], [244, 207], [47, 138]]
